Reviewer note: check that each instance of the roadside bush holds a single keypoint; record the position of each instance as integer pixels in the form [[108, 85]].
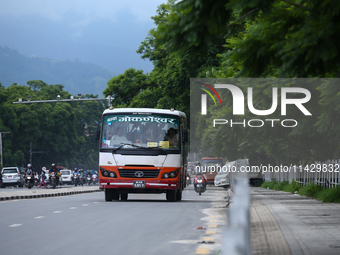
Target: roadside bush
[[269, 185], [291, 187], [329, 195], [280, 185], [310, 190], [265, 185]]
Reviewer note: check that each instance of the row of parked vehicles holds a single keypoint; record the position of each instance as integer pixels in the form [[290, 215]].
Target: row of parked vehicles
[[11, 176]]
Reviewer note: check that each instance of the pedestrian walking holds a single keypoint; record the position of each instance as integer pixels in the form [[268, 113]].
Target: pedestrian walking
[[43, 177]]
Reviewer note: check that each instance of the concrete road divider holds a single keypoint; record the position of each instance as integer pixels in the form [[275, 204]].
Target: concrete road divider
[[42, 192]]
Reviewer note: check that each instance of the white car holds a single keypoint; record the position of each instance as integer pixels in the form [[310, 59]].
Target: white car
[[66, 176], [222, 179], [11, 176]]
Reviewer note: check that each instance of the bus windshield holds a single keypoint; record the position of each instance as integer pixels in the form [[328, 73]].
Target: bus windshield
[[140, 131]]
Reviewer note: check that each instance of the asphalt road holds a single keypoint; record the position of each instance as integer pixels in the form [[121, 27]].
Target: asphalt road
[[86, 224]]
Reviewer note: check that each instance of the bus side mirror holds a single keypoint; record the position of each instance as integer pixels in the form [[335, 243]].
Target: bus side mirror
[[185, 136], [97, 137]]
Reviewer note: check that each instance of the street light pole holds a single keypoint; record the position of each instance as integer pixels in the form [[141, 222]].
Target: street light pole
[[1, 146]]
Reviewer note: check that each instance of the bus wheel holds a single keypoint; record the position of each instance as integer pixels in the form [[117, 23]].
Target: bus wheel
[[108, 195], [171, 195], [115, 195], [179, 195], [124, 196]]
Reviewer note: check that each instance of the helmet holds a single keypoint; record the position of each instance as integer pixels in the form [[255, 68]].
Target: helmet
[[29, 165], [75, 169], [53, 164]]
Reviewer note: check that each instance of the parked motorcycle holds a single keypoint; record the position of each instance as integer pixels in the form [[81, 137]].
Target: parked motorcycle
[[29, 180], [200, 184], [53, 179]]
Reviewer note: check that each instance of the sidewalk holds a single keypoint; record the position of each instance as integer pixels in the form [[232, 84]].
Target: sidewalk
[[35, 192], [285, 223]]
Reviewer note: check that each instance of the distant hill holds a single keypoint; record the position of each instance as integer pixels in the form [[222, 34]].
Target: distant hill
[[77, 77]]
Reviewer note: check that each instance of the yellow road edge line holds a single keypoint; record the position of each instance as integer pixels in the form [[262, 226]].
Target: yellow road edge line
[[202, 250], [210, 232], [208, 239], [212, 226]]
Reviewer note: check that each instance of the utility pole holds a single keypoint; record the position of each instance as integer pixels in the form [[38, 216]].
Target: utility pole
[[1, 146], [31, 152]]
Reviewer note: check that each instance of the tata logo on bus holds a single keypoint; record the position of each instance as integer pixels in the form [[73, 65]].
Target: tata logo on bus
[[238, 105]]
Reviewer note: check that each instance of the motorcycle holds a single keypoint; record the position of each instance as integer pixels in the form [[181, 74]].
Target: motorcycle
[[89, 180], [29, 180], [94, 179], [36, 181], [188, 180], [53, 179], [75, 179], [81, 180], [200, 184]]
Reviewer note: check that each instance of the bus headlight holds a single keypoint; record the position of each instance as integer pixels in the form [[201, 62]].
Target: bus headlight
[[172, 174], [107, 173]]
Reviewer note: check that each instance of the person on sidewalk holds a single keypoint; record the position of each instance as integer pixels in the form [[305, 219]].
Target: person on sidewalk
[[43, 177]]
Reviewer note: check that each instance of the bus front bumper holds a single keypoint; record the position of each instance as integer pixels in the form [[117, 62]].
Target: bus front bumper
[[148, 184]]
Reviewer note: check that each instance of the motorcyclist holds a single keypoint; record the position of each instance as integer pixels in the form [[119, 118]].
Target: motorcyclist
[[89, 175], [82, 176], [75, 172], [29, 169], [54, 169], [200, 176]]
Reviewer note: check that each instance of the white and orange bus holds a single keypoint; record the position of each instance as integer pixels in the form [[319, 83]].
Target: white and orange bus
[[143, 151]]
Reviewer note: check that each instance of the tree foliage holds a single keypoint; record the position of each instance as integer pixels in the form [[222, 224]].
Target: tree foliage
[[64, 130]]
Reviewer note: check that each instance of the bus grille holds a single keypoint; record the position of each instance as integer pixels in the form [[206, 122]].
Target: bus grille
[[131, 173]]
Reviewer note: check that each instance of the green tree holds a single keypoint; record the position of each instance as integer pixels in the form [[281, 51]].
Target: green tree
[[126, 86]]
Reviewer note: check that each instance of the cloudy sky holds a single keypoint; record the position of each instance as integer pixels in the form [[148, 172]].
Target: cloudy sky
[[104, 32]]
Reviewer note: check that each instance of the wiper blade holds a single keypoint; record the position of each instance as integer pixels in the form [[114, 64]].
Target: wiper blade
[[123, 144]]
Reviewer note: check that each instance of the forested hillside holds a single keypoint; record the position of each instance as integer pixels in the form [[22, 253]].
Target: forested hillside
[[77, 77]]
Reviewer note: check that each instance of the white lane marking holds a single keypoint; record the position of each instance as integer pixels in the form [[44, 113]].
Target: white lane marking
[[72, 208], [39, 217], [14, 225], [85, 204], [57, 211]]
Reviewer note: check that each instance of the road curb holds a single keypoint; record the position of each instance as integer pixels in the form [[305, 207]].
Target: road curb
[[58, 194]]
